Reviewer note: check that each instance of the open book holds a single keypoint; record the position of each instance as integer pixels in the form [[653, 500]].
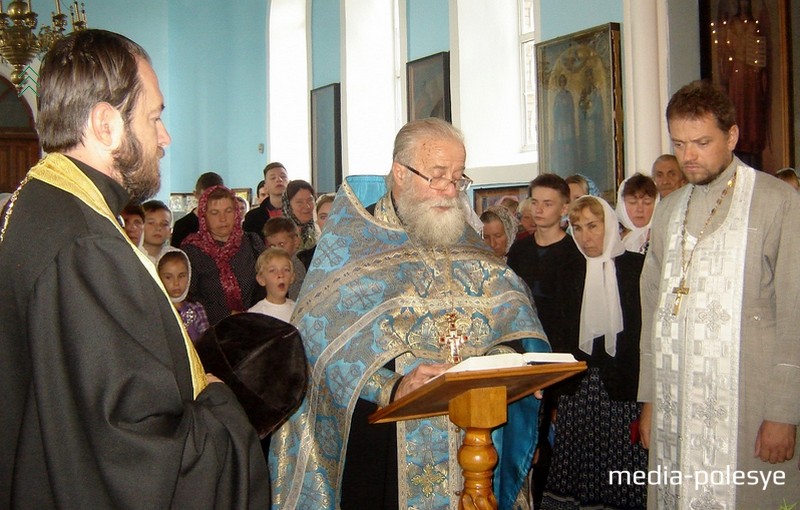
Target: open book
[[510, 360], [520, 374]]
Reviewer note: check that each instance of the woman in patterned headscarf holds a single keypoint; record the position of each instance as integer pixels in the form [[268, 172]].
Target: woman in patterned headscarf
[[499, 229], [223, 257], [298, 204]]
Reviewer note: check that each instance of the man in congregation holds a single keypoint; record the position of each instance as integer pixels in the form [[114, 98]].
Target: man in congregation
[[275, 181], [667, 175], [386, 286], [720, 354], [105, 403]]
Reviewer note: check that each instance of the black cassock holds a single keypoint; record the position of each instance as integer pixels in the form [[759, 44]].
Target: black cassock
[[97, 400]]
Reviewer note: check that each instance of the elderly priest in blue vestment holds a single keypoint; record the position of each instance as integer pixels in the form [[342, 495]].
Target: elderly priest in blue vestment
[[387, 281]]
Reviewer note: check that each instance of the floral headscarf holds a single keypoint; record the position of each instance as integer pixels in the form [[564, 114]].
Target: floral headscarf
[[509, 222], [308, 230], [221, 253]]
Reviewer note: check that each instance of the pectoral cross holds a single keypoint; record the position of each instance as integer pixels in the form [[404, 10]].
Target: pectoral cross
[[679, 291], [453, 338]]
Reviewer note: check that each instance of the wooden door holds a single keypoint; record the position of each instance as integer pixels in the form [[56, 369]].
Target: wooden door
[[18, 153], [19, 143]]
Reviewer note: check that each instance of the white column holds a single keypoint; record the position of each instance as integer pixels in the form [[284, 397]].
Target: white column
[[646, 61], [289, 88], [369, 77]]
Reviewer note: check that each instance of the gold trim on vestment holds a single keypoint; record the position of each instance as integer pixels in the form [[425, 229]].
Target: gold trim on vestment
[[58, 171]]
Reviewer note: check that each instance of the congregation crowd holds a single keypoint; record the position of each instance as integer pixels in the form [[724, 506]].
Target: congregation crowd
[[679, 293]]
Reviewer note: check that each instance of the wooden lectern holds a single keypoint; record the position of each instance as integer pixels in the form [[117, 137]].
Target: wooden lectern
[[476, 401]]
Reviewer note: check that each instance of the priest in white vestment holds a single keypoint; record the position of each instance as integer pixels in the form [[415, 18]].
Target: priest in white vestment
[[720, 353]]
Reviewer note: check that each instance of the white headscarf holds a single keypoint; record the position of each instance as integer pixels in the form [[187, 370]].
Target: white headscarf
[[636, 239], [169, 249], [601, 313]]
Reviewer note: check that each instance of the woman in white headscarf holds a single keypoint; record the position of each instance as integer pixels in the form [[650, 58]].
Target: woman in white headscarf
[[636, 200], [600, 324]]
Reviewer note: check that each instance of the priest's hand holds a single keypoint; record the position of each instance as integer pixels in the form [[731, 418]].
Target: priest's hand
[[213, 378], [417, 377], [775, 441], [645, 419]]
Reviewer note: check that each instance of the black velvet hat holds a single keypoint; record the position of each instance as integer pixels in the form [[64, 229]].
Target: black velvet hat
[[262, 360]]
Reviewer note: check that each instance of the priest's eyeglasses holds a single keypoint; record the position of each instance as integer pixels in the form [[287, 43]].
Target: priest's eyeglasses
[[443, 183]]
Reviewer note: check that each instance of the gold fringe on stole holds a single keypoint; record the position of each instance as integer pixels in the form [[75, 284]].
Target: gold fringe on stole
[[57, 170]]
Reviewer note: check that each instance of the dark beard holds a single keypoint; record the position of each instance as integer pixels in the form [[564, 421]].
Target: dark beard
[[140, 176], [709, 180]]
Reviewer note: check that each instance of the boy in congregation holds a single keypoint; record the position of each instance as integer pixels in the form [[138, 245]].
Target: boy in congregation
[[157, 229], [282, 233], [275, 180], [133, 221], [542, 260], [275, 273]]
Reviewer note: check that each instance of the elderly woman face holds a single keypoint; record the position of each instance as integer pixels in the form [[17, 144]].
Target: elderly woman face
[[495, 236], [588, 230], [302, 204], [526, 220], [220, 218], [639, 207]]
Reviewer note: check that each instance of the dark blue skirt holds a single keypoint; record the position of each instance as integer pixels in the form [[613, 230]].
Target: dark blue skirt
[[593, 437]]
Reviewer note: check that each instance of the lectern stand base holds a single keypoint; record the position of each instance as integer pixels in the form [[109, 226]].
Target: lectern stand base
[[478, 411]]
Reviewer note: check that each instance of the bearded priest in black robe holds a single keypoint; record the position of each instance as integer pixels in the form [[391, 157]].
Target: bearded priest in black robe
[[105, 402]]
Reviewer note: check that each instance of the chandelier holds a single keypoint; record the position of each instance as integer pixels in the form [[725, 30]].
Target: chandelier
[[18, 43]]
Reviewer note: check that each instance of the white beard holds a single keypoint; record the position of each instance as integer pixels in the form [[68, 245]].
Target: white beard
[[429, 227]]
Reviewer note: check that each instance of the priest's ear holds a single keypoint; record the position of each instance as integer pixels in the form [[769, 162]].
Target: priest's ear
[[733, 137], [400, 176], [105, 127]]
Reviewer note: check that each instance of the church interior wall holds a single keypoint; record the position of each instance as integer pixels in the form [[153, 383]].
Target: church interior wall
[[232, 106]]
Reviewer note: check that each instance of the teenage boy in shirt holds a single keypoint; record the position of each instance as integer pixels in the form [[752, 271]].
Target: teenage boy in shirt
[[541, 259], [275, 180]]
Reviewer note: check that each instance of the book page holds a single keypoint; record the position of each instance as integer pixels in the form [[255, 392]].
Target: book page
[[509, 360], [548, 357], [488, 362]]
